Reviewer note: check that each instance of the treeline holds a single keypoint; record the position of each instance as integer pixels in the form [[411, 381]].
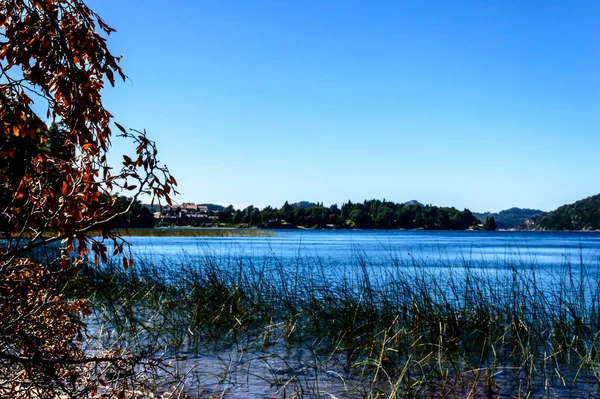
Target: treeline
[[509, 218], [373, 214], [581, 215], [138, 216]]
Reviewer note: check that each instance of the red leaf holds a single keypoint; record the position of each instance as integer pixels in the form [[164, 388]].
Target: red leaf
[[121, 128]]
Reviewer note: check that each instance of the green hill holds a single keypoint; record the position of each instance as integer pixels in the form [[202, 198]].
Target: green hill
[[582, 215], [509, 218]]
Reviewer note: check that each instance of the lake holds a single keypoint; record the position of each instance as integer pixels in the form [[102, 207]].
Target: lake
[[450, 276], [337, 250]]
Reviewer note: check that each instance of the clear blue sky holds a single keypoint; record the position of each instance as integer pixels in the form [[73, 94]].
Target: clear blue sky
[[484, 105]]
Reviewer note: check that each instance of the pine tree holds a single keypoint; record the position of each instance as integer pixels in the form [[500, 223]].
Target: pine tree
[[492, 224]]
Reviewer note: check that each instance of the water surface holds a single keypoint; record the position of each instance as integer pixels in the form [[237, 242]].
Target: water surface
[[340, 248], [251, 370]]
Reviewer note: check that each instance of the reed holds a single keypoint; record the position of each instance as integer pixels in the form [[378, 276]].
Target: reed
[[410, 329]]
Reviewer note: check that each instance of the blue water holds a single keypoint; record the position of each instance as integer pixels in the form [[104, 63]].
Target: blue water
[[342, 248], [557, 258]]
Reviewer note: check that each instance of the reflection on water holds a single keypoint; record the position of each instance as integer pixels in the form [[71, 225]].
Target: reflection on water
[[339, 253], [336, 247]]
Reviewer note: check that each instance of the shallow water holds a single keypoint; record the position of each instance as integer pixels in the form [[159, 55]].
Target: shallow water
[[255, 370], [278, 370]]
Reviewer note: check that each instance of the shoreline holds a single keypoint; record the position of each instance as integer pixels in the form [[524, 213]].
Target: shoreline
[[274, 229]]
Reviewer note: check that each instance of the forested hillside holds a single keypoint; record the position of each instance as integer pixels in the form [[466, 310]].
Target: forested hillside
[[581, 215], [509, 218]]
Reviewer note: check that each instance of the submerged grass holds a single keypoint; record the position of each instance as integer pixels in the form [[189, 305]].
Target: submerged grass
[[410, 329]]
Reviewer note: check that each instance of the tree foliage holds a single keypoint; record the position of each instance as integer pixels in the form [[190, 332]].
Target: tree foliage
[[57, 186], [581, 215], [490, 223], [134, 214], [509, 218], [371, 214]]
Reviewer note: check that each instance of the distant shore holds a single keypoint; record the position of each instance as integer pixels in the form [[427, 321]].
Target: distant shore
[[239, 231], [196, 232]]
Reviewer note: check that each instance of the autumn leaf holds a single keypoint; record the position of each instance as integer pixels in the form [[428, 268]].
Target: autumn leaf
[[56, 180], [121, 128]]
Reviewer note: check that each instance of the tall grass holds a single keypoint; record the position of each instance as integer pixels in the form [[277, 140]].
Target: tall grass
[[413, 328]]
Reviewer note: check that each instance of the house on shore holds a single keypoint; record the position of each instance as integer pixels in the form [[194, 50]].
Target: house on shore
[[202, 209], [187, 210]]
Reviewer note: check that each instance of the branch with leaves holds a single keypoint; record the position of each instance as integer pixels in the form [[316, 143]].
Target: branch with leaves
[[56, 186]]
